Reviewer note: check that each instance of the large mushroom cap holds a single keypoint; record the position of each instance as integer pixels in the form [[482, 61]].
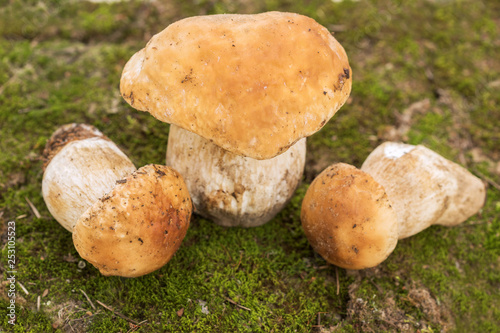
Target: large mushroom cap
[[138, 226], [252, 84], [348, 218]]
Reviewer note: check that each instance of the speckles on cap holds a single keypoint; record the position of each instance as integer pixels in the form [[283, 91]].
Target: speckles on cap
[[347, 218], [232, 78], [139, 224]]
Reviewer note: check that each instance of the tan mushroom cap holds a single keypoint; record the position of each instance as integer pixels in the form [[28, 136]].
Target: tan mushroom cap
[[138, 226], [348, 219], [252, 84]]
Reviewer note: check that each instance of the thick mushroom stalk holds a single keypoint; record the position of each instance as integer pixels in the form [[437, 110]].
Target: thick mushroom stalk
[[125, 222], [230, 189], [425, 188], [348, 218], [82, 165]]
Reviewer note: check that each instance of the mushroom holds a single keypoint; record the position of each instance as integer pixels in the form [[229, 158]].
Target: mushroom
[[425, 188], [231, 189], [125, 222], [348, 218], [137, 227], [248, 85], [82, 164]]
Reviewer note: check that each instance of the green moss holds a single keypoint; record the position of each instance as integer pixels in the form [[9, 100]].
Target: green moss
[[61, 62]]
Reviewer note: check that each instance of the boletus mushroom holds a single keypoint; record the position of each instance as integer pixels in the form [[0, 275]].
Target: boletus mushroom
[[247, 85], [348, 218], [425, 188], [125, 222], [230, 189]]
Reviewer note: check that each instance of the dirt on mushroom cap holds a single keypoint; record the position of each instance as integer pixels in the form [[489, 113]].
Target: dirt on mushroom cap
[[348, 218], [138, 227], [252, 84]]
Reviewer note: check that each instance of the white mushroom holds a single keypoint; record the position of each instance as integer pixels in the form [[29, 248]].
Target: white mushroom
[[125, 222], [230, 189], [82, 165], [425, 188]]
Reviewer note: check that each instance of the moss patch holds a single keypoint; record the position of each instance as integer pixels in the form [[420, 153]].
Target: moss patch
[[425, 72]]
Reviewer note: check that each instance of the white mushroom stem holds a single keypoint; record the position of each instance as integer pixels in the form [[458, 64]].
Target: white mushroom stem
[[424, 187], [84, 165], [230, 189], [125, 222]]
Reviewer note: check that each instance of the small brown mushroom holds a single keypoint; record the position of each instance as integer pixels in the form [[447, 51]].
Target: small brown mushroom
[[348, 218], [124, 226], [425, 188], [137, 227]]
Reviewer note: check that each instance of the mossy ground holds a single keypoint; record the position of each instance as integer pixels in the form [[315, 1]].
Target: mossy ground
[[425, 72]]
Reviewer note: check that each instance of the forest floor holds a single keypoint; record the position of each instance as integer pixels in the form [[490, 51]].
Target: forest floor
[[424, 72]]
